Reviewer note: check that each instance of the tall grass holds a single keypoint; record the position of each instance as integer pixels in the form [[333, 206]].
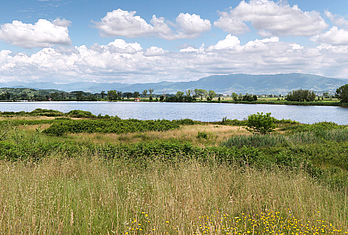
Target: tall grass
[[90, 195], [309, 137]]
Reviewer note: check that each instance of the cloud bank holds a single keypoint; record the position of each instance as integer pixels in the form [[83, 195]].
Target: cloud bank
[[130, 62]]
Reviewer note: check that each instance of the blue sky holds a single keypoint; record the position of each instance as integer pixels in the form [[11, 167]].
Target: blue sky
[[150, 41]]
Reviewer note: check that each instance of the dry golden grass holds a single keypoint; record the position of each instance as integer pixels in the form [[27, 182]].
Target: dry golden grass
[[80, 196], [27, 118], [34, 127], [216, 135]]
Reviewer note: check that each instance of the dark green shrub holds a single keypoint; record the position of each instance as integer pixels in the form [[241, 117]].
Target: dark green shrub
[[57, 129], [202, 135], [112, 125], [234, 122], [320, 126], [80, 114], [12, 114], [36, 112], [186, 122], [46, 112], [261, 123]]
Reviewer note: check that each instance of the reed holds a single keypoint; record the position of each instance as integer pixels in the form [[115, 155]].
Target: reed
[[90, 195]]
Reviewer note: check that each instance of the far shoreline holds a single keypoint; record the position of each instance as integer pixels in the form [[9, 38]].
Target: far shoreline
[[281, 102]]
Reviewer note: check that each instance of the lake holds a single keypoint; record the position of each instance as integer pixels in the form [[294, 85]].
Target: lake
[[196, 111]]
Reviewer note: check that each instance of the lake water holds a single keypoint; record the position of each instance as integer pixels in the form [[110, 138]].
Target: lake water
[[195, 111]]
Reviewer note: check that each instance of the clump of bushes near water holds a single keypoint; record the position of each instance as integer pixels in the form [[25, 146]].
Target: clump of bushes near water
[[112, 125]]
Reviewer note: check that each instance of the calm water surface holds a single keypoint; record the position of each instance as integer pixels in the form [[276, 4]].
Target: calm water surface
[[195, 111]]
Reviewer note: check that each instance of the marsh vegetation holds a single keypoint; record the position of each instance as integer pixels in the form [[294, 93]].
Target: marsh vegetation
[[170, 176]]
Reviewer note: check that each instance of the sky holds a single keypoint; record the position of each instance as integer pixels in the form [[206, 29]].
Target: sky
[[139, 41]]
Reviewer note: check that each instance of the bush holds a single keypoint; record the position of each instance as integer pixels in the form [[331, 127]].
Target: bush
[[261, 123], [316, 127], [80, 114], [112, 125], [186, 122], [36, 112], [46, 112], [202, 135], [234, 122]]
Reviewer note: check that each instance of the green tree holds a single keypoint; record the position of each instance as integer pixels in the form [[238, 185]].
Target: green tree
[[112, 95], [151, 92], [261, 123], [248, 97], [128, 95], [136, 94], [102, 94], [342, 93], [78, 94], [235, 96], [188, 93], [179, 94], [301, 95], [211, 95], [119, 95], [145, 93], [200, 93]]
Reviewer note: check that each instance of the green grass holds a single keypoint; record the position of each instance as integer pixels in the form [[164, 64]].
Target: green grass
[[89, 195], [36, 112], [66, 185], [299, 138]]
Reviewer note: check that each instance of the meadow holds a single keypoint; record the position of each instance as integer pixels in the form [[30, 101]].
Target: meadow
[[73, 173]]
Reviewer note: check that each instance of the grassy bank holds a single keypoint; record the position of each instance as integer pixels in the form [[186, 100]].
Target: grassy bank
[[88, 195], [183, 177]]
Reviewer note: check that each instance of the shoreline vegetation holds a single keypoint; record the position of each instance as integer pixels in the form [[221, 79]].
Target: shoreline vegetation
[[79, 173], [260, 101], [297, 97]]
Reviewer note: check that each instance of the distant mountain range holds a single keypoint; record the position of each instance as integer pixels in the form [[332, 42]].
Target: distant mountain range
[[224, 84]]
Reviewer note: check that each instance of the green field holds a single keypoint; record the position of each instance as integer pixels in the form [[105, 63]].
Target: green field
[[77, 173]]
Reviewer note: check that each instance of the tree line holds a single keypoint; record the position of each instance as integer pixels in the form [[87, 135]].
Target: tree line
[[13, 94]]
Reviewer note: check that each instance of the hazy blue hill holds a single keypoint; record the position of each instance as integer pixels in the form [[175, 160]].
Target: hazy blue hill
[[280, 83], [239, 83]]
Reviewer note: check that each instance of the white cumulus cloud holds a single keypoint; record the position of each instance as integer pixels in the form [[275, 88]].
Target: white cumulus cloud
[[337, 20], [124, 23], [154, 51], [43, 33], [334, 36], [230, 42], [192, 25], [271, 18], [127, 24]]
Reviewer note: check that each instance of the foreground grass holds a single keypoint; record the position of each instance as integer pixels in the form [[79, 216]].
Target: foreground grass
[[185, 178], [90, 195]]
